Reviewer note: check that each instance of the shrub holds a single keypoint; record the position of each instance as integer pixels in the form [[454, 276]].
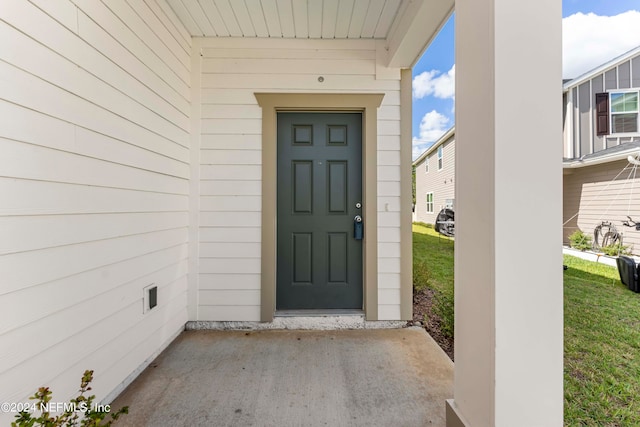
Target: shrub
[[616, 249], [443, 307], [579, 240], [421, 275], [93, 414]]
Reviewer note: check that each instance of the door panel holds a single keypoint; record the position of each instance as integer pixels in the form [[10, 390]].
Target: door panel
[[302, 181], [337, 186], [338, 259], [302, 247], [319, 263]]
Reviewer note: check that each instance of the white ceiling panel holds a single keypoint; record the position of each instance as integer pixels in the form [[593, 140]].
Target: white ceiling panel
[[185, 17], [232, 23], [345, 9], [388, 14], [329, 16], [360, 8], [272, 18], [200, 16], [257, 17], [301, 19], [285, 14], [244, 20], [213, 16], [373, 16], [316, 19]]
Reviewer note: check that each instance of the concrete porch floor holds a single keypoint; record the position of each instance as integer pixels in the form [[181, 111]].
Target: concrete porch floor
[[384, 377]]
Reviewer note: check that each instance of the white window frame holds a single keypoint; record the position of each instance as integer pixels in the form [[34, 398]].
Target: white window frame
[[440, 158], [429, 202], [611, 113], [426, 165]]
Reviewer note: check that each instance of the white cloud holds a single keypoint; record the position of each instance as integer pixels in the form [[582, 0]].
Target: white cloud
[[435, 83], [432, 126], [591, 40]]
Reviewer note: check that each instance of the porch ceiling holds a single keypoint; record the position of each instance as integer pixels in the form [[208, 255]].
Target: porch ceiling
[[407, 26]]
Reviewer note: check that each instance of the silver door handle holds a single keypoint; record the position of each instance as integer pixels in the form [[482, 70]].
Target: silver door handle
[[357, 218]]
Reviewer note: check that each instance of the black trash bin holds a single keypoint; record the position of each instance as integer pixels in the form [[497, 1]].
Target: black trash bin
[[629, 272]]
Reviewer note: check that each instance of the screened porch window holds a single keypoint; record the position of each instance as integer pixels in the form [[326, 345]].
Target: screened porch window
[[624, 112]]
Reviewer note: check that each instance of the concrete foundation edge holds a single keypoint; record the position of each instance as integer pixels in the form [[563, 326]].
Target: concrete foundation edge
[[300, 323], [454, 419], [133, 375]]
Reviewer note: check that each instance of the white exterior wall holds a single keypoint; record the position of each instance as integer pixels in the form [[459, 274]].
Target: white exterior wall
[[439, 182], [94, 152], [230, 158]]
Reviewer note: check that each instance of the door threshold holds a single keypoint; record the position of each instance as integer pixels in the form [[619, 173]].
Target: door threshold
[[319, 313]]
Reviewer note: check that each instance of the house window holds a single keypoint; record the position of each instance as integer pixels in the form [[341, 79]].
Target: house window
[[624, 112], [426, 165], [429, 202], [440, 160]]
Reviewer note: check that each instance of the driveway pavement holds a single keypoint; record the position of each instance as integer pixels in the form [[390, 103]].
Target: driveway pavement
[[384, 377]]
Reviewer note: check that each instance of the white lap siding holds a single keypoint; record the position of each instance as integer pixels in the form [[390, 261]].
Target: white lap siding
[[230, 202], [94, 152]]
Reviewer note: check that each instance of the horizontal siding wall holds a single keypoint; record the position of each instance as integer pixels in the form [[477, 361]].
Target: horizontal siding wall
[[230, 219], [94, 177], [591, 195], [439, 182]]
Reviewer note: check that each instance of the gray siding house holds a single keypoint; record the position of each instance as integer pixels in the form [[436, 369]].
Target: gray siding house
[[601, 130], [435, 173]]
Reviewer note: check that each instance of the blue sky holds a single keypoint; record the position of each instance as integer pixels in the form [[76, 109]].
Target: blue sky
[[594, 31]]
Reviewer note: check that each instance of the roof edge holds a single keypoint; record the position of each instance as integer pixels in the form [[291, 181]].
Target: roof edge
[[578, 163], [601, 68], [444, 138]]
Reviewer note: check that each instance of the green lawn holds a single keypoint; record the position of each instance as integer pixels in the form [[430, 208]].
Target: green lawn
[[602, 332], [602, 347], [433, 268]]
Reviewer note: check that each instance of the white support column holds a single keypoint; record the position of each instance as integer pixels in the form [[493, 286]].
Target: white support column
[[508, 276]]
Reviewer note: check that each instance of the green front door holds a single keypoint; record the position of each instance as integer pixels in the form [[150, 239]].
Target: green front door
[[319, 262]]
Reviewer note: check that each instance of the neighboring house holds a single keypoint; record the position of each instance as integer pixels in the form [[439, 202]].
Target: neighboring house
[[597, 143], [216, 153], [435, 178], [601, 129]]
